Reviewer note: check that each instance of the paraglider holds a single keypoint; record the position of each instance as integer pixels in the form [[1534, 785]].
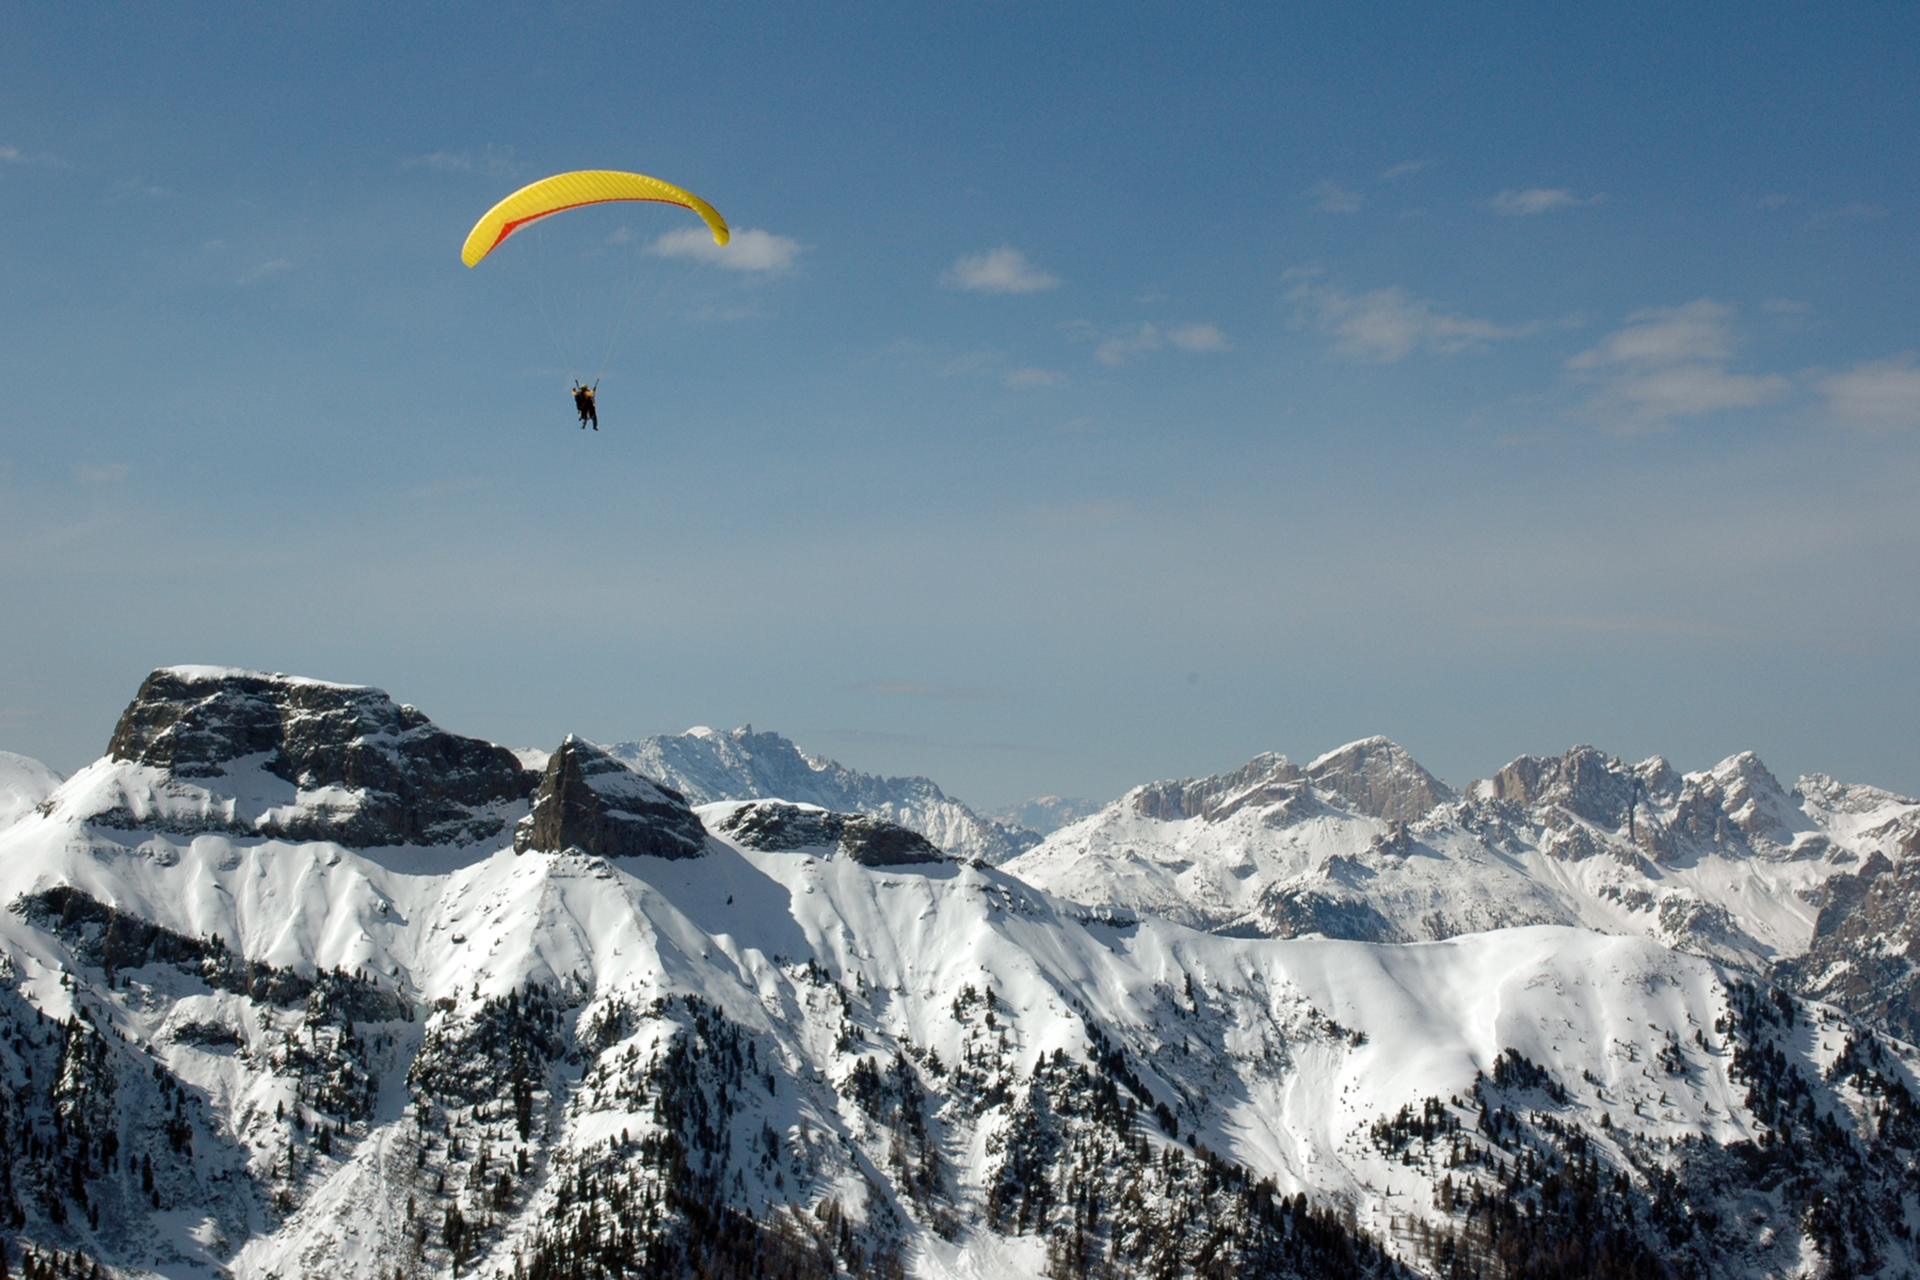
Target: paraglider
[[565, 191]]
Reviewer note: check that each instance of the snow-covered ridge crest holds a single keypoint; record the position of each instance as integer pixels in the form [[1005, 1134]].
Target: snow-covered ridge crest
[[25, 784], [201, 673], [709, 765], [1364, 843]]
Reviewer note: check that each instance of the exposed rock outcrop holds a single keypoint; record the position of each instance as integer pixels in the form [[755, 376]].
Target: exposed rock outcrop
[[1865, 954], [1268, 778], [363, 770], [1378, 778], [872, 842], [590, 801]]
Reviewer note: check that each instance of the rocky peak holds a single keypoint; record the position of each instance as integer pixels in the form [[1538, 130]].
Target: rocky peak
[[1584, 781], [388, 774], [1374, 777], [1752, 799], [590, 801], [1268, 778], [1377, 777], [872, 842]]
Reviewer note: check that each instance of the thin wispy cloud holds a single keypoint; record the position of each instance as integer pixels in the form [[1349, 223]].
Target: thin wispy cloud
[[930, 689], [1404, 168], [1117, 346], [981, 362], [1519, 203], [1848, 213], [492, 162], [1875, 395], [277, 266], [1001, 270], [1198, 337], [134, 189], [1331, 197], [100, 473], [1669, 363], [1700, 330], [1115, 350], [748, 250], [1389, 324], [1691, 390], [14, 155]]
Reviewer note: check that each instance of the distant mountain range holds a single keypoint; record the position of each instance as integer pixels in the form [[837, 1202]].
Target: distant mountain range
[[1363, 843], [295, 982], [707, 765]]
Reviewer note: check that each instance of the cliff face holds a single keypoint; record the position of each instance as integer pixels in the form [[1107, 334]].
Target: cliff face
[[358, 768], [590, 801], [872, 842]]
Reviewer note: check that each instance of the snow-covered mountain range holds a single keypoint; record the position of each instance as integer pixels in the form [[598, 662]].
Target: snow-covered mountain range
[[707, 765], [294, 982], [1363, 843]]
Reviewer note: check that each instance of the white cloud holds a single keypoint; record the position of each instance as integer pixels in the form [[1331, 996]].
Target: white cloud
[[1669, 362], [1198, 337], [1034, 377], [747, 250], [1519, 203], [1848, 213], [1115, 350], [1331, 197], [1875, 395], [1700, 330], [14, 155], [1117, 346], [1404, 168], [1001, 270], [493, 162], [264, 270], [1388, 324], [1689, 390]]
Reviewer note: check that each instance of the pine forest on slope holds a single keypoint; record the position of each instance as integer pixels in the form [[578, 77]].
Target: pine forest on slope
[[294, 982]]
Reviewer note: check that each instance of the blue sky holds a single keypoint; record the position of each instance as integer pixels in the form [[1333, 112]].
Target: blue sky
[[1094, 393]]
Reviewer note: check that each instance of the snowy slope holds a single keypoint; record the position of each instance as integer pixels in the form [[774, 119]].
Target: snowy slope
[[1045, 814], [24, 783], [707, 765], [320, 1059], [1725, 862]]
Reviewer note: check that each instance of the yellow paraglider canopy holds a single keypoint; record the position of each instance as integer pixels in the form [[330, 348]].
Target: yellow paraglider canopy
[[570, 191]]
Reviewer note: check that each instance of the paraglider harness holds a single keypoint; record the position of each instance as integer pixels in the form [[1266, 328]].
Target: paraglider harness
[[583, 401]]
